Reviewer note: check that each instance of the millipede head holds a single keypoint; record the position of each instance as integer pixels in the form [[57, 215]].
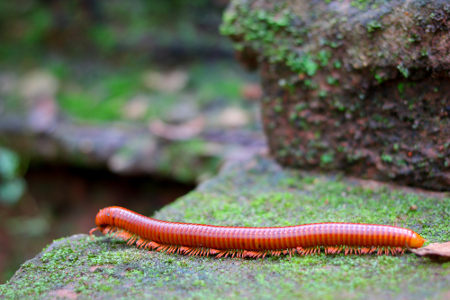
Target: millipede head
[[416, 241]]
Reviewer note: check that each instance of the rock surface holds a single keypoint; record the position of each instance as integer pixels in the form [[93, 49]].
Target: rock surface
[[359, 86], [256, 193]]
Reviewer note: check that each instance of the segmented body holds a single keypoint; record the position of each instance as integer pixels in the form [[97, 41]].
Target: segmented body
[[197, 239]]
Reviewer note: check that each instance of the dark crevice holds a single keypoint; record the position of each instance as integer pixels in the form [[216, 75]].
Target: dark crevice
[[63, 200]]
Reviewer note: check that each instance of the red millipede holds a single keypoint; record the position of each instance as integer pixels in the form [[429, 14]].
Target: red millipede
[[254, 242]]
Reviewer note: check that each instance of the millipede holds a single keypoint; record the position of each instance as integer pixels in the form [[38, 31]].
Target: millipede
[[254, 242]]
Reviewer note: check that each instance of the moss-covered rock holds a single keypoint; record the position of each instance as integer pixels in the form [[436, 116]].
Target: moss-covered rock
[[257, 193], [359, 86]]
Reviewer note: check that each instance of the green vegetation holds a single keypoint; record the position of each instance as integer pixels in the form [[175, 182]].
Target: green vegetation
[[101, 52], [386, 158], [401, 87], [326, 158], [102, 99], [257, 194], [12, 185], [361, 4], [332, 81], [373, 25], [324, 56], [187, 160], [277, 32], [261, 29], [302, 64], [366, 4], [380, 78], [404, 70], [103, 95], [271, 31], [101, 29]]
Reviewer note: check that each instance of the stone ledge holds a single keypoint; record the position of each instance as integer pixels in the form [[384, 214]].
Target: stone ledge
[[255, 193]]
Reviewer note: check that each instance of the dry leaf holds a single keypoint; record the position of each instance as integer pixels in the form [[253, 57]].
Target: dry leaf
[[136, 107], [436, 251], [252, 91], [63, 294], [233, 117], [170, 82], [38, 84], [184, 131]]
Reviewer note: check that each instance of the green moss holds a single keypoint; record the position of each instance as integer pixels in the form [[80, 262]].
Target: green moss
[[324, 56], [269, 31], [255, 193], [404, 70], [365, 4], [259, 25], [332, 80], [304, 64], [326, 158], [102, 102], [424, 52], [188, 160], [293, 117], [386, 158], [300, 106], [379, 78], [401, 87], [414, 38], [337, 64], [103, 96], [323, 94], [310, 84], [373, 25], [278, 108]]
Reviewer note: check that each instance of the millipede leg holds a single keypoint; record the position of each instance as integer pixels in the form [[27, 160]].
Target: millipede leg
[[131, 238]]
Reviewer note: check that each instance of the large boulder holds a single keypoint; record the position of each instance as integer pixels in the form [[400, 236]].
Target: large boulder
[[358, 86], [255, 193]]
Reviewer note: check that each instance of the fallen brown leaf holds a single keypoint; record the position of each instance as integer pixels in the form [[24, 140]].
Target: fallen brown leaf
[[233, 117], [170, 82], [435, 251], [63, 293], [37, 84], [136, 107], [252, 91], [184, 131]]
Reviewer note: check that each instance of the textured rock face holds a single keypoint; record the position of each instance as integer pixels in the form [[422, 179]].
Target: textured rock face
[[252, 193], [358, 86]]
